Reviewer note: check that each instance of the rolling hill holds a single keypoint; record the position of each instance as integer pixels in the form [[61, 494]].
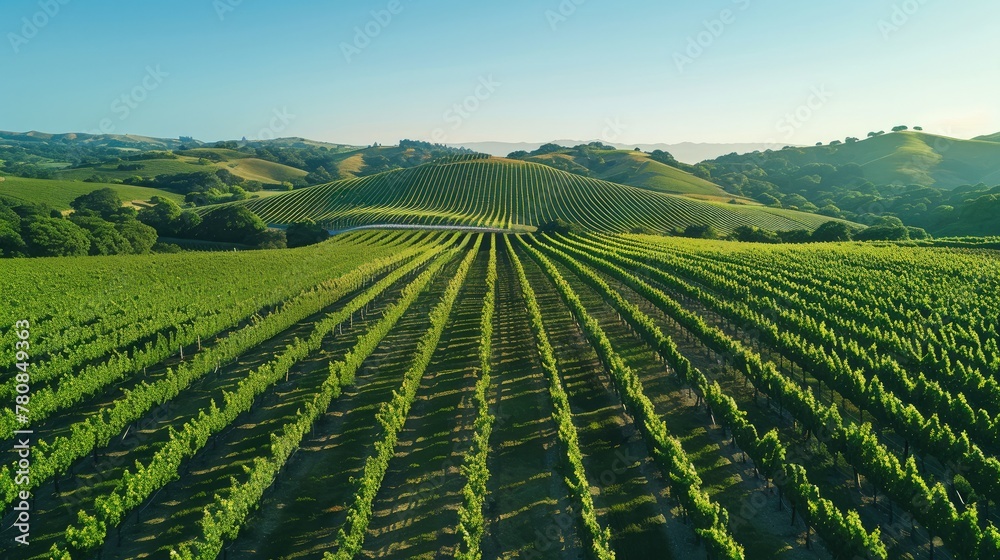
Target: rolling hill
[[911, 158], [118, 141], [989, 137], [512, 194], [687, 152], [191, 161], [632, 168], [59, 194]]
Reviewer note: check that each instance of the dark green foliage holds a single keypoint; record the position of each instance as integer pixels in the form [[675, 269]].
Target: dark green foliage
[[752, 234], [301, 234], [104, 202], [268, 239], [560, 226], [166, 248], [884, 233], [232, 224], [795, 236], [50, 237], [138, 235], [11, 244], [167, 218], [104, 238], [188, 182], [701, 232], [832, 232]]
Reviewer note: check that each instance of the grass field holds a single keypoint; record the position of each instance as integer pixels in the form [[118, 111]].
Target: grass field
[[59, 193], [504, 193]]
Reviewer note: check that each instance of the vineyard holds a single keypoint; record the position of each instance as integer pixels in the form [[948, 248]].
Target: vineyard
[[448, 394], [513, 195]]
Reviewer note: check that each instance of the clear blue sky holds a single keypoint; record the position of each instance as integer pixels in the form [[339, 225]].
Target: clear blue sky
[[599, 69]]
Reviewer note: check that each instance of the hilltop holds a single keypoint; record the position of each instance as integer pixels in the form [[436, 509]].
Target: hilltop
[[512, 194], [989, 137]]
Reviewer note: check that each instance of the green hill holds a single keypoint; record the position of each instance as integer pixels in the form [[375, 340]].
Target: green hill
[[989, 137], [190, 161], [498, 192], [58, 194], [637, 169], [911, 158]]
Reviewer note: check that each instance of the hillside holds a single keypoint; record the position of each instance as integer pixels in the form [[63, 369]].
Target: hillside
[[910, 158], [632, 168], [59, 194], [119, 141], [511, 194], [687, 152], [189, 161], [989, 137]]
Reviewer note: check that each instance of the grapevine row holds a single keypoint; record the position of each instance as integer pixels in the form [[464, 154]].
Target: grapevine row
[[56, 458], [901, 482], [844, 535], [133, 489], [710, 519], [600, 538], [470, 513], [392, 416], [225, 516]]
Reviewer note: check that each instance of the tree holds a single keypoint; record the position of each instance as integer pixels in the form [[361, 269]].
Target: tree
[[769, 200], [884, 233], [301, 234], [900, 128], [104, 238], [752, 234], [560, 226], [104, 202], [701, 232], [228, 178], [51, 237], [832, 232], [232, 224], [161, 215], [11, 244], [138, 235], [166, 217], [268, 239], [795, 236]]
